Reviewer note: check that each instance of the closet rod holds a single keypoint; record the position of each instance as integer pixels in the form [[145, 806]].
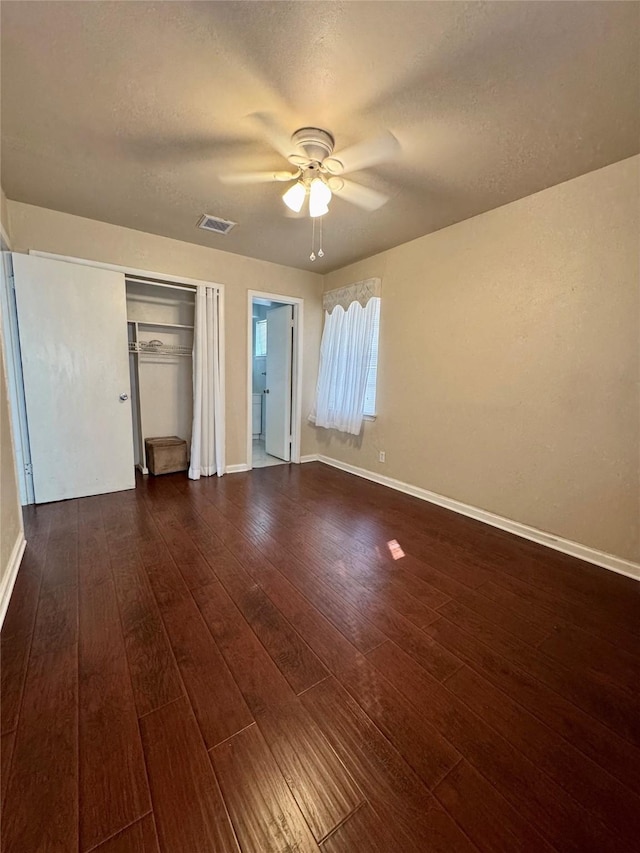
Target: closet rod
[[135, 280]]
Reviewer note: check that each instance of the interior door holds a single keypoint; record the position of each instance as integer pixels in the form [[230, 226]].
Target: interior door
[[278, 392], [73, 335]]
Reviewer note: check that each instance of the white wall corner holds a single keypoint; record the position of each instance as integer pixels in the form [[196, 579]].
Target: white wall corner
[[10, 575], [557, 543]]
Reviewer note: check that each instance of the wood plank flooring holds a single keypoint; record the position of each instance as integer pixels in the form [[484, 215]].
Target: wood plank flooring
[[240, 665]]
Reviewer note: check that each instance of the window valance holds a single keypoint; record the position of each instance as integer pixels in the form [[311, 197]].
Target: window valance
[[360, 292]]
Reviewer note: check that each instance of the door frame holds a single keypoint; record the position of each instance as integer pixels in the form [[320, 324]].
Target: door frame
[[296, 370]]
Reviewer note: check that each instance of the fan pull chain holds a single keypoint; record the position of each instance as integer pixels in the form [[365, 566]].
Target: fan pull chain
[[312, 256]]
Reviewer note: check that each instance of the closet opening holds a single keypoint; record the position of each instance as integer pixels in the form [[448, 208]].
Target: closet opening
[[160, 326], [102, 358], [274, 338]]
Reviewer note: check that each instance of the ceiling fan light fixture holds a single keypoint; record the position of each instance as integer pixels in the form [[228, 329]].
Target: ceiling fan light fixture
[[318, 210], [335, 184], [295, 196], [299, 160], [333, 166], [319, 198]]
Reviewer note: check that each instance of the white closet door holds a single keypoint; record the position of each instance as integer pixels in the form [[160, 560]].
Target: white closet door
[[278, 403], [73, 335]]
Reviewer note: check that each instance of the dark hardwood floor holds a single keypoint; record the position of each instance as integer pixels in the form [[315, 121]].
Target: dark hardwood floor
[[239, 664]]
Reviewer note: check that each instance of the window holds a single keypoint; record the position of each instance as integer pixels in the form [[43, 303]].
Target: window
[[372, 370], [346, 390], [261, 338]]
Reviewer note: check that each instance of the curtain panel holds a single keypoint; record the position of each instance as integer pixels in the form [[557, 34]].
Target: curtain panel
[[347, 341], [207, 438]]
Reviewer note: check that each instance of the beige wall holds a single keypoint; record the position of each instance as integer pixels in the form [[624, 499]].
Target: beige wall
[[509, 367], [10, 511], [51, 231]]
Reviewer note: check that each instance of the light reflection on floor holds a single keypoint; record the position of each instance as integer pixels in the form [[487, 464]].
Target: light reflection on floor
[[394, 549]]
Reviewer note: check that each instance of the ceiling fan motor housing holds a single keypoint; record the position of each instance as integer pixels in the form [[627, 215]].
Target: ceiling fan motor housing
[[316, 143]]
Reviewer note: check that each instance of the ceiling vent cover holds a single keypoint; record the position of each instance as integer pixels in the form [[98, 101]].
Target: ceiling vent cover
[[215, 224]]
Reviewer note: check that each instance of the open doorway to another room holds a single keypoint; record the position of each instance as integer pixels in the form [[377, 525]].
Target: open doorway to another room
[[273, 380]]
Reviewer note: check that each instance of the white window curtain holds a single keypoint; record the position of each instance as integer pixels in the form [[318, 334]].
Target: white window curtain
[[345, 353], [207, 438]]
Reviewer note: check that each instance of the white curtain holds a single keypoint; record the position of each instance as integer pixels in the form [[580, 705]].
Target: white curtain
[[344, 362], [207, 438]]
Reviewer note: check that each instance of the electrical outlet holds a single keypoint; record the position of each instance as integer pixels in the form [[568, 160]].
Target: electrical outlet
[[382, 456]]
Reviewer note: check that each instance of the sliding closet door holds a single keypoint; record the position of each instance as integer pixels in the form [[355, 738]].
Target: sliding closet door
[[73, 335]]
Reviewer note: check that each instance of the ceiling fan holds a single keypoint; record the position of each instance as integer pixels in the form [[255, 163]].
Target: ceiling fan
[[318, 171]]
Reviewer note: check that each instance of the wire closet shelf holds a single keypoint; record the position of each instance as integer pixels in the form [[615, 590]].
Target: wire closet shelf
[[158, 348]]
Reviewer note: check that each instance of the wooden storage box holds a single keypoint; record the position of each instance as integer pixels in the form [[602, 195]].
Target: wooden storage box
[[166, 454]]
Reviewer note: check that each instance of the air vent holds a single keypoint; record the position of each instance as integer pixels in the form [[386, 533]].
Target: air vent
[[213, 223]]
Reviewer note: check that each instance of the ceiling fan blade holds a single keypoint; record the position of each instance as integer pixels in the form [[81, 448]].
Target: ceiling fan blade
[[274, 133], [363, 197], [257, 177], [368, 153]]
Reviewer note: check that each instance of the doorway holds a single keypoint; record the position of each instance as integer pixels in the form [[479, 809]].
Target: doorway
[[273, 422]]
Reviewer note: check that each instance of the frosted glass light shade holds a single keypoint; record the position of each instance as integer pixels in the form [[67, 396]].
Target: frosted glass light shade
[[319, 198], [317, 210], [295, 196]]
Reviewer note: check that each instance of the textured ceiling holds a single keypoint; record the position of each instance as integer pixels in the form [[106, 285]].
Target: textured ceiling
[[128, 112]]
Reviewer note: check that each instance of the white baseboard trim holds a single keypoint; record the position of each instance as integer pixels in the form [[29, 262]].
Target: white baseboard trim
[[566, 546], [9, 579], [311, 457], [237, 469]]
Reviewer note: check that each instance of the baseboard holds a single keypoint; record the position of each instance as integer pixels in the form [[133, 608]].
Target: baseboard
[[6, 586], [566, 546], [237, 469], [311, 457]]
